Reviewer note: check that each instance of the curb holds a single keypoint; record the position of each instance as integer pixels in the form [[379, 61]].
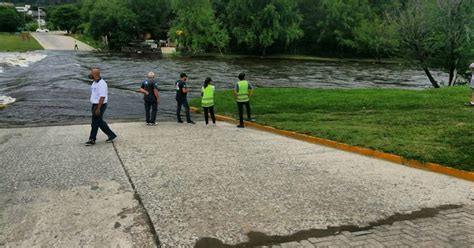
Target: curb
[[355, 149]]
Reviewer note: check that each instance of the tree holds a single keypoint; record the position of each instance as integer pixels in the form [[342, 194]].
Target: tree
[[338, 19], [379, 37], [311, 14], [455, 24], [260, 24], [437, 34], [417, 31], [153, 16], [382, 7], [85, 8], [66, 17], [195, 26], [10, 20], [114, 21]]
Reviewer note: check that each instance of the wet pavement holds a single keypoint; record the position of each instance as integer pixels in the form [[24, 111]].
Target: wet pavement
[[218, 187], [55, 192], [452, 227], [215, 187]]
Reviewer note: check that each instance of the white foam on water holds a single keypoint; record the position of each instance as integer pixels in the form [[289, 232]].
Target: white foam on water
[[6, 100], [19, 59]]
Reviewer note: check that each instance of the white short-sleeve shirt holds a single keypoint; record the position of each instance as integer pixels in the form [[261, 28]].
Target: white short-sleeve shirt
[[98, 90]]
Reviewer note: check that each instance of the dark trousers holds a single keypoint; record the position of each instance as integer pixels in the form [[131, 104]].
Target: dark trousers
[[183, 102], [210, 110], [240, 106], [98, 122], [150, 111]]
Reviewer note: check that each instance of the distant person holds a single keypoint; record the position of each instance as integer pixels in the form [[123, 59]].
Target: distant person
[[76, 48], [207, 101], [243, 90], [151, 98], [182, 98], [471, 103], [99, 98]]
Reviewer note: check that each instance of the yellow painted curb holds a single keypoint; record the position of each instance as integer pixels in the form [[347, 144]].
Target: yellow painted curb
[[355, 149]]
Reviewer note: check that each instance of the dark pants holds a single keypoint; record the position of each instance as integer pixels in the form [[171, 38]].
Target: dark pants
[[206, 114], [240, 106], [150, 115], [98, 122], [183, 102]]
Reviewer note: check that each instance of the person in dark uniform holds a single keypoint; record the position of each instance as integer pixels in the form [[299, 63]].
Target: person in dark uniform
[[182, 99], [151, 98]]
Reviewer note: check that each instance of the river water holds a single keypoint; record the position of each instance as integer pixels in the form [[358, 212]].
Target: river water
[[51, 87]]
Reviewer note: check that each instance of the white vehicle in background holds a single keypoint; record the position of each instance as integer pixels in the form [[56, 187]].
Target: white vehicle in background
[[40, 30]]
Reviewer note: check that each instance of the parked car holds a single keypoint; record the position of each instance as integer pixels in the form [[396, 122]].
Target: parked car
[[40, 30]]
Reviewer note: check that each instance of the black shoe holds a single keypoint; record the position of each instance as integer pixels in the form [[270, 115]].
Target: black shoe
[[111, 138], [240, 126], [90, 143], [180, 121], [191, 122], [251, 119]]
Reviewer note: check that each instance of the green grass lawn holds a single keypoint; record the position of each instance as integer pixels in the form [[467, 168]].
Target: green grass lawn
[[427, 125], [14, 43]]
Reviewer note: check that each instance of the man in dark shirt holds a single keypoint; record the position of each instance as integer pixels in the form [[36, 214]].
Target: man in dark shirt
[[151, 98], [181, 98]]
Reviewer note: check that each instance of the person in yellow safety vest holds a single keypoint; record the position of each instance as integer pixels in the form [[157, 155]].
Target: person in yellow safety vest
[[207, 101], [243, 90]]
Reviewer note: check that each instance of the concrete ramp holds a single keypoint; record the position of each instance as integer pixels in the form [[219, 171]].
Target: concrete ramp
[[59, 41], [226, 184], [215, 187]]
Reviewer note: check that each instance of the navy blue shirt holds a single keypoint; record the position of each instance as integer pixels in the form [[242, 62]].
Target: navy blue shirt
[[180, 85], [150, 86]]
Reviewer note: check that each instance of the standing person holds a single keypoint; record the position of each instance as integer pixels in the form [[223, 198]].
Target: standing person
[[151, 98], [75, 46], [471, 103], [182, 98], [207, 101], [99, 98], [243, 90]]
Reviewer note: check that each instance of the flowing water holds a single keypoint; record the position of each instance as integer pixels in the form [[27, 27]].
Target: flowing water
[[51, 87]]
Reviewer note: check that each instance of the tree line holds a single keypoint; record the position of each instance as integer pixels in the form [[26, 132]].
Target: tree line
[[432, 33]]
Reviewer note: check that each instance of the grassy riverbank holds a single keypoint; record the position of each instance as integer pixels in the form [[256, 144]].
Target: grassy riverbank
[[89, 41], [14, 43], [427, 125]]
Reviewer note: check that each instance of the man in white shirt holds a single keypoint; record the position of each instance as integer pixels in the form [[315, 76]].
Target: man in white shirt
[[99, 98]]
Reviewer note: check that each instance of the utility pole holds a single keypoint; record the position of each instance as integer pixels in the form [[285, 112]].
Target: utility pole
[[39, 22]]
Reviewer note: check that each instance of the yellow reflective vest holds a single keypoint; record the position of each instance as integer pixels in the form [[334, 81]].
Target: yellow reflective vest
[[207, 96], [243, 92]]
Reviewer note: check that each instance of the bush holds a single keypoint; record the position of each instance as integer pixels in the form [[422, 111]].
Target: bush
[[32, 26], [10, 20]]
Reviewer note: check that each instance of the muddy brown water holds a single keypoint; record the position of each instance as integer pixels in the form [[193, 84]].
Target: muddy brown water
[[55, 89]]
